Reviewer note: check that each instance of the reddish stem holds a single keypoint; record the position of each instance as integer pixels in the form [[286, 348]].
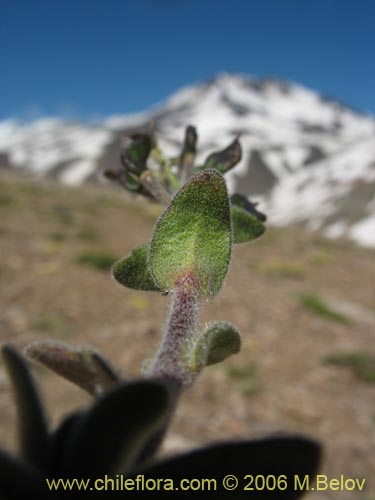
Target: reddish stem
[[181, 324]]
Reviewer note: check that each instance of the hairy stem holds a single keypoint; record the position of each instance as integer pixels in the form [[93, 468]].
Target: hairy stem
[[181, 325], [151, 184]]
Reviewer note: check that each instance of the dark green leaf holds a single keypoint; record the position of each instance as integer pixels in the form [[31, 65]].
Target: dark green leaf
[[246, 227], [241, 201], [135, 152], [130, 182], [274, 456], [193, 236], [84, 366], [111, 435], [226, 159], [133, 271], [219, 341], [32, 422]]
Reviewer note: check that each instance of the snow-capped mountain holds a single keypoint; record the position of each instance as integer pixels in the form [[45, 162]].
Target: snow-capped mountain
[[306, 158]]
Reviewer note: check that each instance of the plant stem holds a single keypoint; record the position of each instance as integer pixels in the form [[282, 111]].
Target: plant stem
[[181, 325], [151, 184]]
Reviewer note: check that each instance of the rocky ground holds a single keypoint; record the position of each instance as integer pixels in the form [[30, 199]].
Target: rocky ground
[[297, 299]]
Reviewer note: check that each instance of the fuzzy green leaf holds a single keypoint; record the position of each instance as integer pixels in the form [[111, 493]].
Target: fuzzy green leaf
[[112, 434], [246, 227], [226, 159], [133, 271], [219, 341], [83, 366], [32, 422], [193, 236]]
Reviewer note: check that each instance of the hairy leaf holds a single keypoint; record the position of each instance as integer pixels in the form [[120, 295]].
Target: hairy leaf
[[219, 341], [192, 238], [133, 271], [111, 435], [84, 366], [246, 227], [32, 422]]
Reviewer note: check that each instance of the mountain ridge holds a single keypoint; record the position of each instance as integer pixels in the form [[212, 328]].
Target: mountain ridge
[[305, 157]]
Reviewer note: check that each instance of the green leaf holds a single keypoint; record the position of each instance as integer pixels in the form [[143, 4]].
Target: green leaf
[[112, 434], [192, 238], [219, 341], [135, 152], [246, 227], [32, 422], [130, 182], [241, 201], [226, 159], [133, 270], [83, 366], [127, 180]]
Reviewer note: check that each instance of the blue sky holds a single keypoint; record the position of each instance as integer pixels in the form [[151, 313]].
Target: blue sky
[[92, 58]]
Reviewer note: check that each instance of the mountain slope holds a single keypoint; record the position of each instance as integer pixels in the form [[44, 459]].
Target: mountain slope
[[306, 158]]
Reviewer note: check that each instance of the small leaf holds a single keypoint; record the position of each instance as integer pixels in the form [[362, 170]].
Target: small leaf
[[83, 366], [32, 422], [193, 236], [226, 159], [133, 271], [135, 152], [245, 226], [241, 201], [281, 457], [111, 435], [219, 341], [130, 181]]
